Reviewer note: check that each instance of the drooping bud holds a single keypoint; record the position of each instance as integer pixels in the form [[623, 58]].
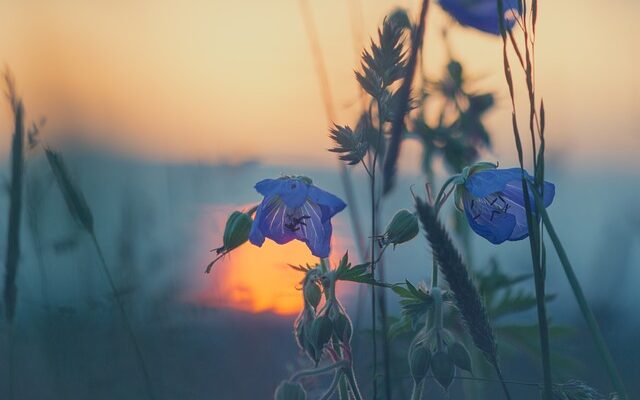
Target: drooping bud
[[321, 330], [460, 356], [288, 390], [443, 368], [236, 231], [402, 228], [302, 331], [312, 293], [342, 326], [419, 359]]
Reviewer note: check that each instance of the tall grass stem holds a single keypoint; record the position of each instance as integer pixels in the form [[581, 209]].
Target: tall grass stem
[[590, 319], [125, 319]]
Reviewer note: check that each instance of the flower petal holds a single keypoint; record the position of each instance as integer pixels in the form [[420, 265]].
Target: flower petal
[[273, 220], [315, 232], [488, 181], [332, 204], [269, 187], [514, 196], [494, 226], [255, 236], [293, 192], [549, 192], [480, 14]]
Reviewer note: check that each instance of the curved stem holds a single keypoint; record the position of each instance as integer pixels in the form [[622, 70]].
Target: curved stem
[[355, 390], [332, 388], [418, 387], [319, 371]]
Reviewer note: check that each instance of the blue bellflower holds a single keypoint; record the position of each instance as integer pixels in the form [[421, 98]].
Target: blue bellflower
[[293, 208], [493, 202], [481, 14]]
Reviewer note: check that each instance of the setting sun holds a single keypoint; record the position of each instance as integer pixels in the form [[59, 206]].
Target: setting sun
[[258, 279]]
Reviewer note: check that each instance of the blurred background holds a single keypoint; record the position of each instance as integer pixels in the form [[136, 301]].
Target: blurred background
[[168, 113]]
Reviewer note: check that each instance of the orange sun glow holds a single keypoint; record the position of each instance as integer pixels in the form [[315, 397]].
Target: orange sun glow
[[258, 279]]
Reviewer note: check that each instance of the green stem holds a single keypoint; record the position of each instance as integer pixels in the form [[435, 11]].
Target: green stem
[[125, 319], [418, 387], [337, 377], [355, 390], [539, 283], [373, 267], [318, 371], [590, 319], [343, 388]]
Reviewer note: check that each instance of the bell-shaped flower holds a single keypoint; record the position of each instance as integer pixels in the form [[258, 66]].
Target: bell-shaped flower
[[482, 14], [293, 208], [493, 202]]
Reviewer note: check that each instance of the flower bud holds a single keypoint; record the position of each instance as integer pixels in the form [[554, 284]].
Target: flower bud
[[402, 228], [302, 331], [236, 231], [419, 359], [460, 356], [321, 330], [443, 368], [312, 293], [287, 390], [342, 327]]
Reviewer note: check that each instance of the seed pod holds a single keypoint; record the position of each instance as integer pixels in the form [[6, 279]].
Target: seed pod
[[419, 359], [321, 330], [443, 368], [342, 327], [402, 228], [236, 231], [312, 293], [460, 356], [287, 390]]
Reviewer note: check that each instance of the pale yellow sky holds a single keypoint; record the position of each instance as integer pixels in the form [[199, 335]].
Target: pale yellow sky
[[230, 80]]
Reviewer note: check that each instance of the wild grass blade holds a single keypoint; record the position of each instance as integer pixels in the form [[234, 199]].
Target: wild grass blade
[[404, 92], [15, 200], [466, 295], [80, 211], [534, 231], [590, 319], [74, 198]]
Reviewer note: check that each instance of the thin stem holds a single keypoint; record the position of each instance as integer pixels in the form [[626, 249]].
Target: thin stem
[[534, 236], [12, 362], [355, 390], [372, 184], [125, 318], [323, 79], [418, 387], [318, 371], [332, 388], [502, 381]]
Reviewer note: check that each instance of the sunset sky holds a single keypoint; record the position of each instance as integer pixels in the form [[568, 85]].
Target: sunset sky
[[234, 80]]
